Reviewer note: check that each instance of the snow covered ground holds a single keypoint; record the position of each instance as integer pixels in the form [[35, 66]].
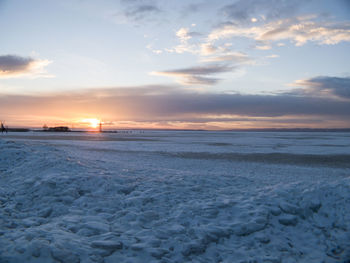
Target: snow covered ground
[[175, 197]]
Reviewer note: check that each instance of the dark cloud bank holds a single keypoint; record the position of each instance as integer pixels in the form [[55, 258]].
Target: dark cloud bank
[[336, 86], [14, 64], [173, 103]]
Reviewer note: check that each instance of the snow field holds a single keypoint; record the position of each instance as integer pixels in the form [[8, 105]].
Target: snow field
[[70, 204]]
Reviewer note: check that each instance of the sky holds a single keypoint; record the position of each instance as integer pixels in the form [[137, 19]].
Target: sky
[[175, 64]]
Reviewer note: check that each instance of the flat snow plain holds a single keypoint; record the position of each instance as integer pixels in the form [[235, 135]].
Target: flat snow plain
[[175, 197]]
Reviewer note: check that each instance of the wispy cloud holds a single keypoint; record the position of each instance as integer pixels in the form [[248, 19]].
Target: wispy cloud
[[195, 43], [299, 30], [263, 47], [247, 11], [255, 24], [200, 75], [139, 11], [236, 58], [208, 49], [12, 66], [272, 56], [184, 35]]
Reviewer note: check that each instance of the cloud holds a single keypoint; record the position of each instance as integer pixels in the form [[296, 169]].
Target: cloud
[[160, 103], [237, 58], [244, 11], [139, 11], [263, 47], [325, 86], [208, 49], [266, 23], [12, 66], [224, 54], [224, 58], [299, 30], [11, 63], [155, 51], [184, 35], [196, 75], [273, 56], [192, 8]]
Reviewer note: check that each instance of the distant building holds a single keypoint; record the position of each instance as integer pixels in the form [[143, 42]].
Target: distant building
[[58, 129]]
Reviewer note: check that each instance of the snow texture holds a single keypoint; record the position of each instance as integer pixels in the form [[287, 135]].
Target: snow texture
[[175, 197]]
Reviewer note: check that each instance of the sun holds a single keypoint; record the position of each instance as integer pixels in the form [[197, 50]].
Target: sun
[[93, 123]]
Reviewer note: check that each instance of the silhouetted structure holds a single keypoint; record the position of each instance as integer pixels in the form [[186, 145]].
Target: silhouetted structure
[[100, 127], [58, 129]]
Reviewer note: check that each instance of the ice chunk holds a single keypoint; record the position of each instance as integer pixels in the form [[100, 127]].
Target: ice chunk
[[159, 253], [288, 220], [315, 205], [149, 216], [244, 229], [195, 247], [45, 212], [138, 247], [289, 208], [64, 255], [262, 238], [107, 244], [276, 211], [97, 227]]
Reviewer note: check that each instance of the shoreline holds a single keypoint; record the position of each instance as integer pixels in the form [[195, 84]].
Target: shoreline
[[346, 130]]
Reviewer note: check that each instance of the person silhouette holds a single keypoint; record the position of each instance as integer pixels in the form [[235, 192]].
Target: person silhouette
[[3, 129]]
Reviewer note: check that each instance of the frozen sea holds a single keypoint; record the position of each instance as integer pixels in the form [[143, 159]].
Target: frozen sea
[[175, 196]]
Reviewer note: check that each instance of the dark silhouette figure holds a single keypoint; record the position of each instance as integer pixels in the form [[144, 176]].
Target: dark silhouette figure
[[3, 129]]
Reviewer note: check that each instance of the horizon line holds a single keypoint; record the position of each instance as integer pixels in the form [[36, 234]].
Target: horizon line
[[345, 129]]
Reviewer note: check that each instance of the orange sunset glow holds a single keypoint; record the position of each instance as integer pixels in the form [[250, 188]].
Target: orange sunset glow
[[93, 123]]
